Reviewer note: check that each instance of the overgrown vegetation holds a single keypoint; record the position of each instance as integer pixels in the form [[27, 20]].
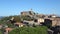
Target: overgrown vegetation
[[30, 30], [23, 30], [26, 18]]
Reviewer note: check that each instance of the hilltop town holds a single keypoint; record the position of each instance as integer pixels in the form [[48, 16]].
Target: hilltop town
[[31, 19]]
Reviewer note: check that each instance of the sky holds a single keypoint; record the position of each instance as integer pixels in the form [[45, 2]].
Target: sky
[[14, 7]]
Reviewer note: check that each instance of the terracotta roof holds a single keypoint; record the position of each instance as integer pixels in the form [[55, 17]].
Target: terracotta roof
[[8, 29], [18, 23]]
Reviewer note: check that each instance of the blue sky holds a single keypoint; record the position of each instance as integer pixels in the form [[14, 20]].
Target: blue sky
[[14, 7]]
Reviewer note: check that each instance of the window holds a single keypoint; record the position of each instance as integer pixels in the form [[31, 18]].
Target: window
[[35, 20]]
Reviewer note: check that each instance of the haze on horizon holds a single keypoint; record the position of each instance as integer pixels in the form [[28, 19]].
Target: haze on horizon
[[14, 7]]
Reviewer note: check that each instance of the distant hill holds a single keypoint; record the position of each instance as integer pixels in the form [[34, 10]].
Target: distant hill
[[1, 17]]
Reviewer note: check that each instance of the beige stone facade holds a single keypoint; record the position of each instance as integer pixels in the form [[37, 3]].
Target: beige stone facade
[[19, 24], [40, 20], [55, 21]]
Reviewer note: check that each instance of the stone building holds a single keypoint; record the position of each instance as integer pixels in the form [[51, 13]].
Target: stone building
[[18, 24], [39, 20], [7, 30], [55, 21], [27, 13]]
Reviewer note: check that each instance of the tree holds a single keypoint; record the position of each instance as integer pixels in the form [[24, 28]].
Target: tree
[[27, 17]]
